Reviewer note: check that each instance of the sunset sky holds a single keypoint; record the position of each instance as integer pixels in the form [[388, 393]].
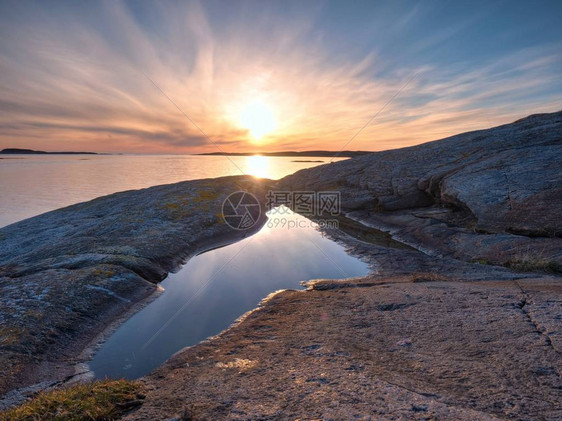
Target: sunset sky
[[270, 76]]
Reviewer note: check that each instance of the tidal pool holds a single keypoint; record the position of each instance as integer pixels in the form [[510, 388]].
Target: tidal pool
[[214, 288]]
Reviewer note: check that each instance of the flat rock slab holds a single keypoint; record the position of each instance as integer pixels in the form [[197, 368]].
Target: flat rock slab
[[387, 349]]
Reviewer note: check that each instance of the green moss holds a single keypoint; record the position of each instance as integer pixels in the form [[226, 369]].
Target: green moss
[[181, 207], [367, 234], [100, 400], [528, 263], [207, 195], [103, 273], [172, 206]]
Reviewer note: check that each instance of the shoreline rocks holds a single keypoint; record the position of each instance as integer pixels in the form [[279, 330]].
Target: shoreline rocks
[[65, 275]]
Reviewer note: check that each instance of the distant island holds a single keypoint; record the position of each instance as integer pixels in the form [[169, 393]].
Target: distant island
[[325, 154], [329, 154], [17, 151]]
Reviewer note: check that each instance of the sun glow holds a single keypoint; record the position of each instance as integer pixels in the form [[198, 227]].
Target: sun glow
[[258, 118]]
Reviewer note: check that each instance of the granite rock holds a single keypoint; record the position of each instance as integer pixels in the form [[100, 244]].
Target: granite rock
[[65, 275], [492, 195]]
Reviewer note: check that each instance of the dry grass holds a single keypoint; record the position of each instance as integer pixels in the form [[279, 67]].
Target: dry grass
[[99, 400], [534, 264], [419, 277]]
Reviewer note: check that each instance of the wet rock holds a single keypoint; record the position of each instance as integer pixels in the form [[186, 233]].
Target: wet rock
[[433, 231]]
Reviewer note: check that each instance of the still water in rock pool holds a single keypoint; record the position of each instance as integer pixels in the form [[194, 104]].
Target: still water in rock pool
[[214, 288]]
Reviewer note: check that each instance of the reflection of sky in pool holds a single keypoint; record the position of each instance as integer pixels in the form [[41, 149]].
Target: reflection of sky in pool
[[215, 288]]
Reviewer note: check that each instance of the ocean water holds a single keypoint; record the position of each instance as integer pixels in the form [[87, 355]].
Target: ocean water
[[33, 184], [212, 289]]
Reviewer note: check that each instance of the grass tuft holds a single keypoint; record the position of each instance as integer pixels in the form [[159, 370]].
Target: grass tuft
[[99, 400], [535, 264]]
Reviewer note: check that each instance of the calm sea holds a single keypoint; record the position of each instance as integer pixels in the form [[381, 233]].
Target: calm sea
[[33, 184]]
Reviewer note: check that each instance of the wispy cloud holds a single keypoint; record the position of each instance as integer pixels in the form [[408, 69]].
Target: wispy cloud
[[72, 78]]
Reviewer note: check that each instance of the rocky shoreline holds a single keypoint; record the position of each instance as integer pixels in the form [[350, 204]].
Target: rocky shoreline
[[465, 322], [67, 274], [460, 325]]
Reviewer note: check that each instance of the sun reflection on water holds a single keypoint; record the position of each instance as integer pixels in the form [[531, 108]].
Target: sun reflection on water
[[258, 166]]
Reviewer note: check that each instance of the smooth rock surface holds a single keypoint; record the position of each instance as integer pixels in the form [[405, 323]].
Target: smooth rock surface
[[65, 275], [379, 348]]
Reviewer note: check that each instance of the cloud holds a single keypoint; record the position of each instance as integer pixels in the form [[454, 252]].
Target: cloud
[[75, 77]]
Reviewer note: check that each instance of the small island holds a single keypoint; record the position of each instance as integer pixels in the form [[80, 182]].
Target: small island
[[18, 151], [319, 154]]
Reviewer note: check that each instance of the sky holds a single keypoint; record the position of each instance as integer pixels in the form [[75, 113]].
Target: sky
[[190, 77]]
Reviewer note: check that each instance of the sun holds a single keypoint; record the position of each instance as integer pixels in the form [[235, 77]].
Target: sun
[[258, 118]]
